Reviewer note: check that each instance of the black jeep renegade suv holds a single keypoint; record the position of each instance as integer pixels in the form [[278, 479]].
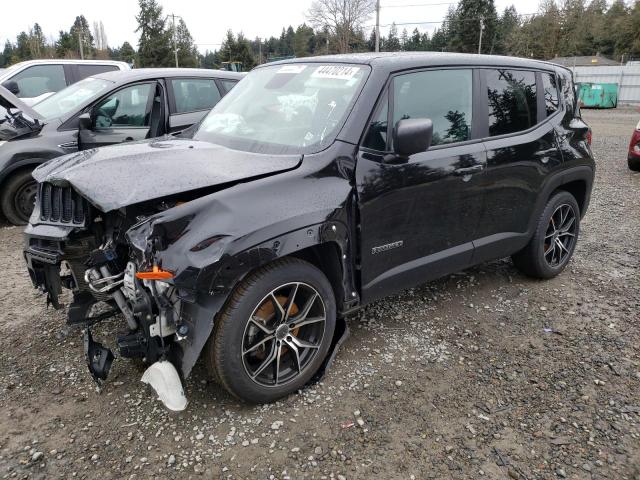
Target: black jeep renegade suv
[[314, 187]]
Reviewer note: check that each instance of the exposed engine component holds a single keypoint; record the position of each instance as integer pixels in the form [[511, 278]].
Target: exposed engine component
[[102, 281]]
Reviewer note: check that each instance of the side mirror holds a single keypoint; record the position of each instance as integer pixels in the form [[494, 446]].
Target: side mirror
[[84, 121], [12, 86], [412, 135]]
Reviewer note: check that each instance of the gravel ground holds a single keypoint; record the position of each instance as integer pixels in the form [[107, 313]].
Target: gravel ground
[[484, 373]]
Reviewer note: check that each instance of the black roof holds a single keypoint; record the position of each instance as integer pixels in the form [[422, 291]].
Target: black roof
[[404, 60], [125, 76]]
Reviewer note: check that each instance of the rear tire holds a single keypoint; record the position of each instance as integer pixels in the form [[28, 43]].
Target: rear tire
[[18, 197], [554, 240], [634, 164], [261, 350]]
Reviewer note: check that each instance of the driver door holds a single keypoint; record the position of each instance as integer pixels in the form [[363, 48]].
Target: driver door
[[126, 115], [419, 214]]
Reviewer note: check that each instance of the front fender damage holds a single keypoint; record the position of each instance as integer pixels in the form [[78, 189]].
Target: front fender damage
[[204, 288]]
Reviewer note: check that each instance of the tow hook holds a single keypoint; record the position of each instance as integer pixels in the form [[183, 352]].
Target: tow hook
[[99, 358]]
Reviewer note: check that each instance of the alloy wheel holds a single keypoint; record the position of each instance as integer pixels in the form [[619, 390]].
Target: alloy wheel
[[283, 334], [560, 236]]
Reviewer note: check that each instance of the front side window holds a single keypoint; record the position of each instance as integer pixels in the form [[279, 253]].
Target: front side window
[[71, 98], [444, 96], [40, 79], [512, 101], [192, 94], [290, 108], [550, 84], [125, 108]]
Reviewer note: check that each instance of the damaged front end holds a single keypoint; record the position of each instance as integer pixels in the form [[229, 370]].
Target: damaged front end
[[70, 244]]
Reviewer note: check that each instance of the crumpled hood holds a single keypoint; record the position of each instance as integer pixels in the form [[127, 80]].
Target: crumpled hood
[[120, 175]]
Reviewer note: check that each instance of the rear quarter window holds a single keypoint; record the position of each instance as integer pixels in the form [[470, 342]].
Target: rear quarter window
[[512, 100], [551, 93], [84, 71]]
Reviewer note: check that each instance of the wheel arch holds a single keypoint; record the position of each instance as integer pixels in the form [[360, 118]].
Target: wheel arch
[[576, 180], [21, 165], [577, 188], [326, 246]]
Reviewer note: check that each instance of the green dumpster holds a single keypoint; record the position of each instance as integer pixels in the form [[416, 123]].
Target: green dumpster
[[598, 95]]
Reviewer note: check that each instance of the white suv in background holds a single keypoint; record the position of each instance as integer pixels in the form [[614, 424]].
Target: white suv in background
[[34, 80]]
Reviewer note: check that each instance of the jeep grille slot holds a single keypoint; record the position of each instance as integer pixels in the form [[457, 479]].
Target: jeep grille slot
[[61, 205]]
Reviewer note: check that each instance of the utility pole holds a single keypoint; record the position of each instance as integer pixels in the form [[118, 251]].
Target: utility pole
[[327, 39], [480, 40], [175, 42], [80, 43], [377, 25], [259, 51]]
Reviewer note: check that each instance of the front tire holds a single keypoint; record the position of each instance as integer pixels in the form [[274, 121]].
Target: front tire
[[554, 241], [274, 332], [634, 164], [18, 197]]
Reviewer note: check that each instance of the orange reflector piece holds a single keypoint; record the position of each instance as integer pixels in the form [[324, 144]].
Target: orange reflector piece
[[155, 274]]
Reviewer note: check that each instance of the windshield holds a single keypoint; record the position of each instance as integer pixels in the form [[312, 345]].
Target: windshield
[[293, 108], [70, 98]]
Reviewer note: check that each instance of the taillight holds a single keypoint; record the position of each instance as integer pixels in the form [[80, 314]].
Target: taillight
[[589, 137], [634, 144]]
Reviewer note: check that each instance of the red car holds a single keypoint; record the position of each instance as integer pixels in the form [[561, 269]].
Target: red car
[[633, 158]]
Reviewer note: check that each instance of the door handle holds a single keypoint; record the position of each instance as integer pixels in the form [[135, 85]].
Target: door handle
[[469, 170]]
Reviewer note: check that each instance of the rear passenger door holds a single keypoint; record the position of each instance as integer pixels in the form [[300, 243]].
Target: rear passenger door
[[189, 100], [521, 151]]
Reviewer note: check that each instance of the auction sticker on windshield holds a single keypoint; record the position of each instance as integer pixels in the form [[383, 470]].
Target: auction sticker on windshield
[[335, 71], [291, 69]]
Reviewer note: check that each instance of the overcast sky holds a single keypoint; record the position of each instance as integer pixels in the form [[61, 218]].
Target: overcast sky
[[209, 20]]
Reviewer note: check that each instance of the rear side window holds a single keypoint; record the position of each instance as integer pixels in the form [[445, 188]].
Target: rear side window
[[444, 96], [228, 85], [39, 79], [84, 71], [550, 84], [192, 94], [512, 101]]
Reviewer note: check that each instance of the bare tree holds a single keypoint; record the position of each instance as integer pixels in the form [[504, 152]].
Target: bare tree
[[341, 17], [100, 36]]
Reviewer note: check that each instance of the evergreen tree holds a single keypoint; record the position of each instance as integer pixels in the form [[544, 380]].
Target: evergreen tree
[[303, 41], [154, 45], [508, 23], [466, 29], [22, 51], [236, 49], [7, 57], [187, 51], [127, 53], [210, 60], [80, 31], [392, 42], [404, 40], [65, 46]]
